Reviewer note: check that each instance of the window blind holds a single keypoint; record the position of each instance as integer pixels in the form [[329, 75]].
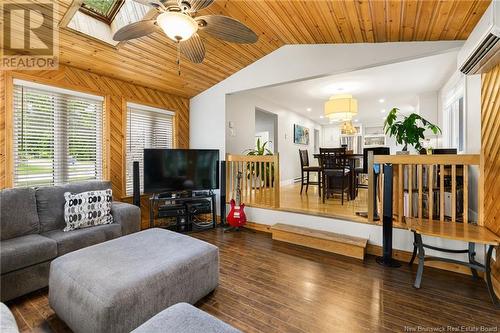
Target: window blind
[[146, 128], [57, 136]]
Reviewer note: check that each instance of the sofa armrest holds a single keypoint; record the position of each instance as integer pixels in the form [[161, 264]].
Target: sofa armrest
[[127, 215]]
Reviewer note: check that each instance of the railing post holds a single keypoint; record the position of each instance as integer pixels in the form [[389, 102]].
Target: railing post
[[276, 181], [228, 178], [371, 188]]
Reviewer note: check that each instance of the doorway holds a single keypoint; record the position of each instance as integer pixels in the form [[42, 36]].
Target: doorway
[[266, 129]]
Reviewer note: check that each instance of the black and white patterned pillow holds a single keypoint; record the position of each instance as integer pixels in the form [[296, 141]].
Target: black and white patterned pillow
[[87, 209]]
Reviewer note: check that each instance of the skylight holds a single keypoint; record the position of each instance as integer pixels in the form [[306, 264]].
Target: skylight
[[104, 10]]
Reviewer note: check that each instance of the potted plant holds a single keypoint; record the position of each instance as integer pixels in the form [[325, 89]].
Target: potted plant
[[265, 171], [408, 130]]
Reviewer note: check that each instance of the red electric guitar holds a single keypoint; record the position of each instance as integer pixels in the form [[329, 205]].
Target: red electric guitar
[[237, 217]]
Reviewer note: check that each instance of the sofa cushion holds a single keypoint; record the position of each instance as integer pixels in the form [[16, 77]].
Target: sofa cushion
[[25, 251], [76, 239], [18, 215], [50, 202]]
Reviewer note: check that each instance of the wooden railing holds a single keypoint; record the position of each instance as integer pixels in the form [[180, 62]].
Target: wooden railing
[[421, 182], [260, 181]]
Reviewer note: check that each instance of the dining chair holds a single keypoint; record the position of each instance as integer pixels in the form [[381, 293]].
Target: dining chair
[[335, 171], [305, 169]]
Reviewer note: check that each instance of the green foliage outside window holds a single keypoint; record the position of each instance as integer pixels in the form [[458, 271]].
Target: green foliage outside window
[[100, 6]]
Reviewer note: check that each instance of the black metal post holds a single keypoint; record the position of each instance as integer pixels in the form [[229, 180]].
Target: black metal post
[[386, 258]]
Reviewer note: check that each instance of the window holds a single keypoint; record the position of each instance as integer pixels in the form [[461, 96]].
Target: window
[[57, 135], [104, 10], [454, 117], [147, 127]]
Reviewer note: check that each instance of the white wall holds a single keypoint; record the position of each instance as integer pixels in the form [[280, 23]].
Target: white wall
[[240, 111]]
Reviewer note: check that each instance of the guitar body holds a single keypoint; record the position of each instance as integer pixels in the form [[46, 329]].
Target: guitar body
[[236, 217]]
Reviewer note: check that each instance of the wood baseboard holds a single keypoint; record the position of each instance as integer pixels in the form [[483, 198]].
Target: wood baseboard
[[258, 227], [322, 240], [403, 256]]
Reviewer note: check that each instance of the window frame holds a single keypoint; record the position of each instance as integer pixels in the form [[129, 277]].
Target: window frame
[[454, 98], [144, 108], [106, 18], [58, 177]]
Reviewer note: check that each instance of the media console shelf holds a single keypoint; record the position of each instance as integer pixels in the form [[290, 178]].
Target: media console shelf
[[183, 209]]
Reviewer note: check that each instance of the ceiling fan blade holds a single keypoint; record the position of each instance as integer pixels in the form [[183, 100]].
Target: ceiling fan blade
[[227, 28], [193, 49], [136, 30], [196, 5]]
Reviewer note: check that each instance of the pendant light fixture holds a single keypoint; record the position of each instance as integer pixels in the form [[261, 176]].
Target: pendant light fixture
[[342, 108]]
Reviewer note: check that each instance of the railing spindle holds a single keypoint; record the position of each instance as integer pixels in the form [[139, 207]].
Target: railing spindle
[[410, 190], [441, 193], [400, 192], [430, 200], [454, 193], [466, 194], [420, 189]]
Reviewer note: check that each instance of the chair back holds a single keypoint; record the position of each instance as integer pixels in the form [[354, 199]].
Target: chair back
[[304, 158], [333, 158]]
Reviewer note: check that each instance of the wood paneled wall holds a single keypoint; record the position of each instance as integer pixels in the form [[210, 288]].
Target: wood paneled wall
[[490, 157], [116, 93]]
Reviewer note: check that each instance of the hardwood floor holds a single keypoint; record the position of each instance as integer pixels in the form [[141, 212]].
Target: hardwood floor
[[312, 204], [270, 286]]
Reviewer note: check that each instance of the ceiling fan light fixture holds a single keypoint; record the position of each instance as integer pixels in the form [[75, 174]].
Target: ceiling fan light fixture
[[177, 26]]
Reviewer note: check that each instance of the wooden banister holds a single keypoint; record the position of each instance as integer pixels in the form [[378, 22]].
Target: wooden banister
[[260, 182], [425, 174]]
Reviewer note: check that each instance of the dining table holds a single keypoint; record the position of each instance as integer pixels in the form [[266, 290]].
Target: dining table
[[352, 158]]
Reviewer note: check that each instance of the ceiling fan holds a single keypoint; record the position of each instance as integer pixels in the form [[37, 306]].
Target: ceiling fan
[[178, 20]]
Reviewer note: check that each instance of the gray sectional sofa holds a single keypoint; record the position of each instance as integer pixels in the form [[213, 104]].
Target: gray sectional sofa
[[31, 224]]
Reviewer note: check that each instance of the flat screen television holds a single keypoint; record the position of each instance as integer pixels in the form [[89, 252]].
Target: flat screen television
[[175, 170]]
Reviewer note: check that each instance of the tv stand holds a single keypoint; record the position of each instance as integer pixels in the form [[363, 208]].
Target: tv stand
[[183, 207]]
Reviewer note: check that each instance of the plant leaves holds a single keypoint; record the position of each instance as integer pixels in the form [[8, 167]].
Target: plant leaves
[[407, 131]]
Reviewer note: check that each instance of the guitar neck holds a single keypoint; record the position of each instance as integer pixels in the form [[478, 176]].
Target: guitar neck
[[238, 190]]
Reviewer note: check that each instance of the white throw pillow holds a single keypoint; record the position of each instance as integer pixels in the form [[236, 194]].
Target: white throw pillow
[[87, 209]]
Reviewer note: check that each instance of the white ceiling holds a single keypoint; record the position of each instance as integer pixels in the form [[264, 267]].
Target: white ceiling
[[397, 84]]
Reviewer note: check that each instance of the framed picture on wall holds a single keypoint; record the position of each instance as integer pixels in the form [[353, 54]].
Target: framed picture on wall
[[300, 135]]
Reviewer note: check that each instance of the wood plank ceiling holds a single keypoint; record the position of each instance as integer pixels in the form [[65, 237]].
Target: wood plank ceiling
[[150, 61]]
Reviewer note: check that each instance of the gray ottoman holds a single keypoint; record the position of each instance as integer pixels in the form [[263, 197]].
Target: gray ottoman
[[117, 285], [7, 321], [184, 318]]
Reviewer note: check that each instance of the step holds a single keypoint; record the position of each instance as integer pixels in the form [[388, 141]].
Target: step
[[350, 246]]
